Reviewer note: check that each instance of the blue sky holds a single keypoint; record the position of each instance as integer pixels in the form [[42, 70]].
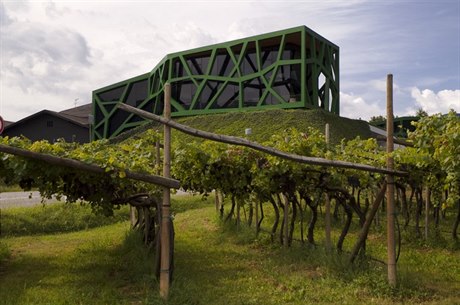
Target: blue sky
[[54, 53]]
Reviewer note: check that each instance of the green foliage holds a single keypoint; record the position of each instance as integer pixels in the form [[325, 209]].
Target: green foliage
[[103, 192], [204, 166], [435, 159], [378, 120]]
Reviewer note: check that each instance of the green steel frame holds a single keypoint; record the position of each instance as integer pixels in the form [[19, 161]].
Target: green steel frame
[[293, 68]]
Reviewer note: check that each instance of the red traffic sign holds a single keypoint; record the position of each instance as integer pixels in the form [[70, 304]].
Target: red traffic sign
[[2, 124]]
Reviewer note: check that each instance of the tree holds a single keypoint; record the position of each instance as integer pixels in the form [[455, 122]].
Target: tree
[[377, 120], [421, 113]]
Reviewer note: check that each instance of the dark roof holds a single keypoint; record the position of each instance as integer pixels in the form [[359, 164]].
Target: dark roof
[[78, 114], [7, 123], [77, 120]]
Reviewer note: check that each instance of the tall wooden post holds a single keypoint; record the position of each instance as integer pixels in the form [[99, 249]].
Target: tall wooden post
[[327, 216], [391, 248], [254, 203], [132, 216], [216, 200], [286, 221], [157, 156], [427, 211], [165, 211]]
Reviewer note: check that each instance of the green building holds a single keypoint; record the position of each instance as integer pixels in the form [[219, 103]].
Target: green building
[[293, 68]]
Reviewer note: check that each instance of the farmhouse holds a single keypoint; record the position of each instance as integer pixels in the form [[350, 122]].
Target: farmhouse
[[72, 125]]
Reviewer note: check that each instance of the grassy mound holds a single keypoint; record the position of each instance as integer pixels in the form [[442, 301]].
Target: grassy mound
[[266, 123]]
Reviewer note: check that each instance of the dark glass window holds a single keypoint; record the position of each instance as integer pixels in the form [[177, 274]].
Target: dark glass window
[[287, 83], [228, 98], [249, 63], [98, 114], [269, 57], [155, 82], [183, 92], [165, 71], [112, 95], [223, 64], [178, 68], [270, 100], [198, 65], [252, 92], [159, 104], [117, 120], [236, 50], [137, 93], [209, 91]]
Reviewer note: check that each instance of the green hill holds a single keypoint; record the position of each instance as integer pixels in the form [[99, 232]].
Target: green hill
[[266, 123]]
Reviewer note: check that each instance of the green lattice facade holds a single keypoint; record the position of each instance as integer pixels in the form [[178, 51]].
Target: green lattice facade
[[293, 68]]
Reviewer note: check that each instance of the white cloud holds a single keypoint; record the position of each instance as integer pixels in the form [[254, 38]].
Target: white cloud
[[355, 107], [42, 57], [381, 85], [440, 102], [60, 50], [189, 35]]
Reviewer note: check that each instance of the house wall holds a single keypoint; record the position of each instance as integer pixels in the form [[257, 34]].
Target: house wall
[[49, 127]]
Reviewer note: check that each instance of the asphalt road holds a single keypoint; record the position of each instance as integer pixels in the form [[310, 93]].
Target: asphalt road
[[21, 199], [25, 199]]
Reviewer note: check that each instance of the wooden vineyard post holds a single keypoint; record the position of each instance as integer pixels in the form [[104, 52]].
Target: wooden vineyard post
[[427, 210], [256, 207], [327, 215], [157, 156], [165, 245], [391, 249], [286, 220], [216, 200], [132, 216]]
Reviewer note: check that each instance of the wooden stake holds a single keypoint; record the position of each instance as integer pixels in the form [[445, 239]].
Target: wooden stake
[[286, 221], [427, 211], [256, 207], [238, 214], [165, 211], [157, 156], [327, 212], [216, 200], [132, 215], [391, 248]]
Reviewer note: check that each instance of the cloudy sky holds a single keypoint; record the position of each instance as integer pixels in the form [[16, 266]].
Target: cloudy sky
[[54, 53]]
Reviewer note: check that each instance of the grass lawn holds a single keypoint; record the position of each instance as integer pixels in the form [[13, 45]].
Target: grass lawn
[[213, 265]]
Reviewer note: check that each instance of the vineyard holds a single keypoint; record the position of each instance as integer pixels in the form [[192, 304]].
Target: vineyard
[[276, 197]]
